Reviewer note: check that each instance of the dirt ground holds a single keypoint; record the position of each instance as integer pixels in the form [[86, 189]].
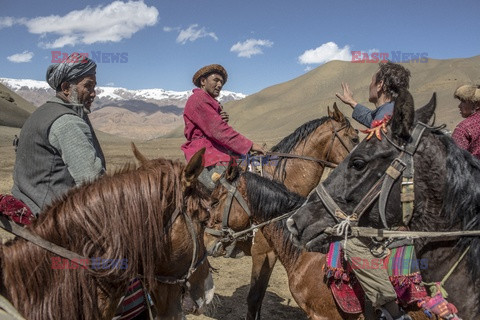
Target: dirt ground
[[231, 289], [232, 278]]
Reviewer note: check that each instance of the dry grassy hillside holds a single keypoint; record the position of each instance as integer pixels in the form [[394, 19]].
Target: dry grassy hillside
[[277, 110], [14, 110]]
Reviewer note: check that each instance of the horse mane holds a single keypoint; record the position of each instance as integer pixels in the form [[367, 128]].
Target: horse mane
[[300, 134], [269, 199], [287, 144], [463, 173], [119, 216]]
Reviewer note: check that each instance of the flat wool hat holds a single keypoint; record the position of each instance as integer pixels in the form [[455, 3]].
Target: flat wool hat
[[468, 93], [205, 71]]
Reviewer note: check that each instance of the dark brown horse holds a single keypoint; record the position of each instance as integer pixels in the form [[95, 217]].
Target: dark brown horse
[[147, 222], [446, 198], [328, 139]]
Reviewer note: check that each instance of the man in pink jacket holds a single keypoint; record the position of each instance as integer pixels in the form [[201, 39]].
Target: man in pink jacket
[[206, 125], [467, 133]]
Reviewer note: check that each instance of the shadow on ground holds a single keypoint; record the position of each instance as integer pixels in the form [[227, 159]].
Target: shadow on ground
[[235, 307]]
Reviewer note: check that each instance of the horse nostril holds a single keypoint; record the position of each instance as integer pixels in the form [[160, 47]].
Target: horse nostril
[[292, 226]]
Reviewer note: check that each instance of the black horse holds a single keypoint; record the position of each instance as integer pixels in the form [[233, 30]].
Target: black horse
[[446, 197]]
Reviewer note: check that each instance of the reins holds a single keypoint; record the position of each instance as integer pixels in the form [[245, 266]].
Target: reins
[[227, 234], [23, 233], [296, 156]]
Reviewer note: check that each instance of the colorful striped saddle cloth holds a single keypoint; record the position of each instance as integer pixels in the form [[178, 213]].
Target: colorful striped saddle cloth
[[402, 266], [133, 303]]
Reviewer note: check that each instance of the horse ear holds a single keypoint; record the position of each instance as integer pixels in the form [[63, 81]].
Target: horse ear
[[427, 113], [337, 114], [232, 170], [403, 116], [194, 168], [140, 157], [330, 113]]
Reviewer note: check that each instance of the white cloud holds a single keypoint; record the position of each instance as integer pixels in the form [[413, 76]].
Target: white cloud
[[25, 56], [192, 33], [6, 22], [250, 47], [112, 23], [170, 29], [326, 52]]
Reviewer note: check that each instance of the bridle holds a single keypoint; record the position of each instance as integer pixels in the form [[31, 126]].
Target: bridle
[[183, 281], [226, 235], [401, 166]]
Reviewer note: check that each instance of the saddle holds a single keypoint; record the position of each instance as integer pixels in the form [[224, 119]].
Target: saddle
[[15, 209], [404, 275]]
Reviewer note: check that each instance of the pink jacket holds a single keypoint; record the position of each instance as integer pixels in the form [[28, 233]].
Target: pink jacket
[[204, 127], [467, 134]]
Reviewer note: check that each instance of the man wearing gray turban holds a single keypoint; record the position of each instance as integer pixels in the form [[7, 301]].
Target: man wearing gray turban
[[57, 148]]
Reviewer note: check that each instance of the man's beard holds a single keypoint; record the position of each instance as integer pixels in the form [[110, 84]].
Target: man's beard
[[74, 94]]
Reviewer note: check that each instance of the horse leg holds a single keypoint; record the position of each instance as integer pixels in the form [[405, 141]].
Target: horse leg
[[263, 261]]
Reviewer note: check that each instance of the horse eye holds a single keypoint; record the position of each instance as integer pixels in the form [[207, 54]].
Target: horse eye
[[358, 164], [214, 203]]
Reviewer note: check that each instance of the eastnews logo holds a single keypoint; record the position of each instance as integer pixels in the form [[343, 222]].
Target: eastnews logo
[[377, 263], [94, 263], [394, 56], [97, 56]]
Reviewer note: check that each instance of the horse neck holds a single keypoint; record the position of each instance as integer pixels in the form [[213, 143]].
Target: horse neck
[[431, 214], [301, 176], [275, 233], [278, 238]]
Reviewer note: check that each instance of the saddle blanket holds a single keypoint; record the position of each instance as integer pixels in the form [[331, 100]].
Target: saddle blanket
[[401, 265]]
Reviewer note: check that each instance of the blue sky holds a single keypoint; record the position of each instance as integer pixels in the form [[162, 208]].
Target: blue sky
[[260, 43]]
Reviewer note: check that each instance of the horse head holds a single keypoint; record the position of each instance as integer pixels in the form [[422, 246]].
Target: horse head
[[187, 266], [349, 192], [347, 136], [228, 214]]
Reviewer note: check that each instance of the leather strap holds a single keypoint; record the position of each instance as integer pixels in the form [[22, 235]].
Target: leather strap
[[17, 230]]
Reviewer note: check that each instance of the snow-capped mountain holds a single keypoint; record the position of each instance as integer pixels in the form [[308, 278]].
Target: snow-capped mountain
[[142, 114], [159, 96]]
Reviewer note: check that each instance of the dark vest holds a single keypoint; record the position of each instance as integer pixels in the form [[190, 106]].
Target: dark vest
[[40, 175]]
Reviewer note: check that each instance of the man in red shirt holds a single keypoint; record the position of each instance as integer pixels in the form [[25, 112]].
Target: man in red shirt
[[467, 133], [206, 125]]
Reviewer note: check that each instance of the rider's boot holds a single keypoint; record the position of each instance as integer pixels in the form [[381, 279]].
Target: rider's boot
[[391, 311]]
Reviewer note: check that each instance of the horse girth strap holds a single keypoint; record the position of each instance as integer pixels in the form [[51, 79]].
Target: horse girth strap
[[17, 230]]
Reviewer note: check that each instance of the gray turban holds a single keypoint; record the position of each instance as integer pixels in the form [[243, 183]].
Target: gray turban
[[74, 67]]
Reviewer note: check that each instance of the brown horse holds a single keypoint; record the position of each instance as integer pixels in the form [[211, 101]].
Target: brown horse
[[144, 223], [328, 139]]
